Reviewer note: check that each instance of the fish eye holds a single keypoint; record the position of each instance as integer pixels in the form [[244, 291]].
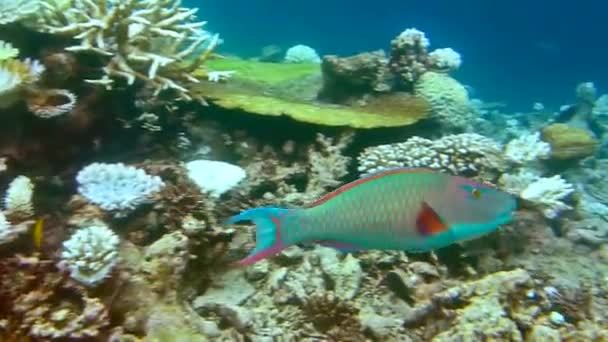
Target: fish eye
[[476, 193]]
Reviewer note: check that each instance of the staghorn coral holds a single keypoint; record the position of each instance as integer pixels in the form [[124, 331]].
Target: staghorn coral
[[462, 154], [16, 10], [154, 41], [90, 254]]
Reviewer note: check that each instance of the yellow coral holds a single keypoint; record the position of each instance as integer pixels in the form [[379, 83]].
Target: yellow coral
[[569, 142]]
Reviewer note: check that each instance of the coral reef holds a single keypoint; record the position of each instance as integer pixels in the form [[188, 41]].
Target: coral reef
[[352, 77], [17, 10], [214, 177], [301, 54], [410, 60], [90, 254], [569, 143], [449, 100], [462, 154], [157, 42], [18, 198], [526, 149], [116, 187], [111, 226]]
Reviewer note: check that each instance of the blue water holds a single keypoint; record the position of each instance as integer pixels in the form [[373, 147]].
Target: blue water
[[517, 52]]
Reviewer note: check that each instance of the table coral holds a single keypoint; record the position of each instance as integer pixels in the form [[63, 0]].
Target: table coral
[[155, 41]]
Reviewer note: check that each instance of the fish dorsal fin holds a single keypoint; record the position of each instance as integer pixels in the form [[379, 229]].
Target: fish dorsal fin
[[364, 179], [428, 222]]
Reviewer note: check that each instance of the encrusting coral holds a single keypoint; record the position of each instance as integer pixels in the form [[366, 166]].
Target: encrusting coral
[[461, 154], [154, 41]]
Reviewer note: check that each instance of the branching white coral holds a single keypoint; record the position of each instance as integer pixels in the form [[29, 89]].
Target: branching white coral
[[527, 148], [18, 197], [90, 254], [155, 41], [117, 187], [547, 195]]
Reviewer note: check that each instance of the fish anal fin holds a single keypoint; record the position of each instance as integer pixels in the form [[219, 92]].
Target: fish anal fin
[[342, 247], [428, 221]]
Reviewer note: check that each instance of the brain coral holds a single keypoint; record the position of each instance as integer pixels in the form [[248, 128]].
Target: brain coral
[[448, 98]]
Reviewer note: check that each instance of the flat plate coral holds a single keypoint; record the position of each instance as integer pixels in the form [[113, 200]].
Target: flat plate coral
[[290, 89]]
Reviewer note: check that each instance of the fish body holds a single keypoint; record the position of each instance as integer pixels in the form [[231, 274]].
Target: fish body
[[401, 209], [37, 234]]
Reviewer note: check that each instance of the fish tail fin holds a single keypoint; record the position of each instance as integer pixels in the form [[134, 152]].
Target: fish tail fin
[[267, 234]]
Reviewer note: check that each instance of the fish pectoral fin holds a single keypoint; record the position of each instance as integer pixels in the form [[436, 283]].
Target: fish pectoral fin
[[428, 221], [342, 247]]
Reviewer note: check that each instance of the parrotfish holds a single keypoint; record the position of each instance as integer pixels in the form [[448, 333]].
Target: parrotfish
[[414, 210]]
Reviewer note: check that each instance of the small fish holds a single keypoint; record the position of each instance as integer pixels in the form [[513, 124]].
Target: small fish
[[414, 210], [37, 233]]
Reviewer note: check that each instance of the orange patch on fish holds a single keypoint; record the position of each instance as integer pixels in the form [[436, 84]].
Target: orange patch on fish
[[428, 222]]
